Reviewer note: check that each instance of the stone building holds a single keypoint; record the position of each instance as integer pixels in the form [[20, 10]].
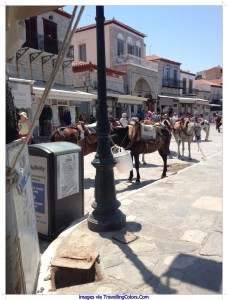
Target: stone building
[[209, 86], [188, 83], [31, 67], [85, 79], [212, 91], [212, 73], [125, 52], [158, 81], [176, 92]]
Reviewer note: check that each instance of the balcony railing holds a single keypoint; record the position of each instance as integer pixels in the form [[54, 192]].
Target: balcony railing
[[172, 83], [131, 59], [45, 44]]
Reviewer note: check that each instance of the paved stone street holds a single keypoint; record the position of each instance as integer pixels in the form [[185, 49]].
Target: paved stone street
[[174, 232], [152, 171]]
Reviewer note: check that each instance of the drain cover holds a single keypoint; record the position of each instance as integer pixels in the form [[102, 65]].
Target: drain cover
[[80, 258], [125, 237]]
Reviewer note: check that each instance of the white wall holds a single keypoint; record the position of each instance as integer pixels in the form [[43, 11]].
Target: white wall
[[87, 37]]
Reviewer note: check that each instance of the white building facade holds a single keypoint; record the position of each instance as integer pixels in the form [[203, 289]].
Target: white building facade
[[125, 52], [32, 67]]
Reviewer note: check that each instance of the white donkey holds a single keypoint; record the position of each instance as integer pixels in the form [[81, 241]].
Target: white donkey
[[205, 126], [186, 133]]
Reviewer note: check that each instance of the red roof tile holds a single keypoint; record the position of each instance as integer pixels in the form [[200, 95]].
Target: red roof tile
[[81, 66], [113, 21], [186, 72], [157, 58], [62, 12], [211, 82]]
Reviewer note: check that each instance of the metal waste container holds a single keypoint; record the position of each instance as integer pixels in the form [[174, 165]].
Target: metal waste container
[[57, 173]]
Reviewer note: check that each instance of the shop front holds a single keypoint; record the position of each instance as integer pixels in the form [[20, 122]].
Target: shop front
[[117, 104], [132, 105], [184, 105], [62, 108]]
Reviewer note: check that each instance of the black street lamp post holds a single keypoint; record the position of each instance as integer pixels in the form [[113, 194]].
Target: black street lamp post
[[106, 215]]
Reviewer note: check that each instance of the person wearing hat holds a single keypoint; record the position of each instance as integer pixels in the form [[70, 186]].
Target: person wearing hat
[[24, 125], [123, 120], [148, 115]]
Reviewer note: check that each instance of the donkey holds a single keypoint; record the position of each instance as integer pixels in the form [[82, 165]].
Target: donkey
[[184, 131], [130, 139]]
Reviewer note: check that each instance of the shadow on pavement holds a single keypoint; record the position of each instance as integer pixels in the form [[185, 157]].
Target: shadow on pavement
[[148, 276], [204, 273]]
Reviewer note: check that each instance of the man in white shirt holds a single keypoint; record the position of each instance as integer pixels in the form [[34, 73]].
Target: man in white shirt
[[123, 120]]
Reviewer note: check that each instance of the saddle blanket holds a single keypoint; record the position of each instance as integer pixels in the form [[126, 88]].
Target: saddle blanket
[[148, 132]]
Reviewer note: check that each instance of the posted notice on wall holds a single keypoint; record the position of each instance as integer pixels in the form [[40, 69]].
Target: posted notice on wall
[[67, 175]]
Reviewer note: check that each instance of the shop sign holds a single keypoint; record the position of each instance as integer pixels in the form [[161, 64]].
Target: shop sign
[[22, 94]]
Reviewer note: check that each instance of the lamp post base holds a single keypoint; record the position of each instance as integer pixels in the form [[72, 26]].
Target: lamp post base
[[109, 222]]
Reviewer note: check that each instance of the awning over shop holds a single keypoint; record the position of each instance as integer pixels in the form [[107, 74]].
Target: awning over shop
[[203, 102], [111, 95], [218, 105], [180, 99], [20, 80], [128, 99], [65, 94], [186, 100]]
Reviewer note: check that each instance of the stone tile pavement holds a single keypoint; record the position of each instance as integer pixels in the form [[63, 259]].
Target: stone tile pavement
[[177, 223]]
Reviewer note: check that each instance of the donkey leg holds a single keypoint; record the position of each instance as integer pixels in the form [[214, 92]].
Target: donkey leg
[[143, 159], [130, 176], [170, 137], [182, 148], [137, 168], [207, 133], [178, 149], [131, 172], [189, 150], [163, 153]]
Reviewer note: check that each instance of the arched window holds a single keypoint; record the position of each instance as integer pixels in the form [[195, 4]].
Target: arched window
[[130, 47], [138, 49], [167, 73], [120, 44]]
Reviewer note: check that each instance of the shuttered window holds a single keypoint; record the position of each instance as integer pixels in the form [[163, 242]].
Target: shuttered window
[[120, 47], [82, 52]]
